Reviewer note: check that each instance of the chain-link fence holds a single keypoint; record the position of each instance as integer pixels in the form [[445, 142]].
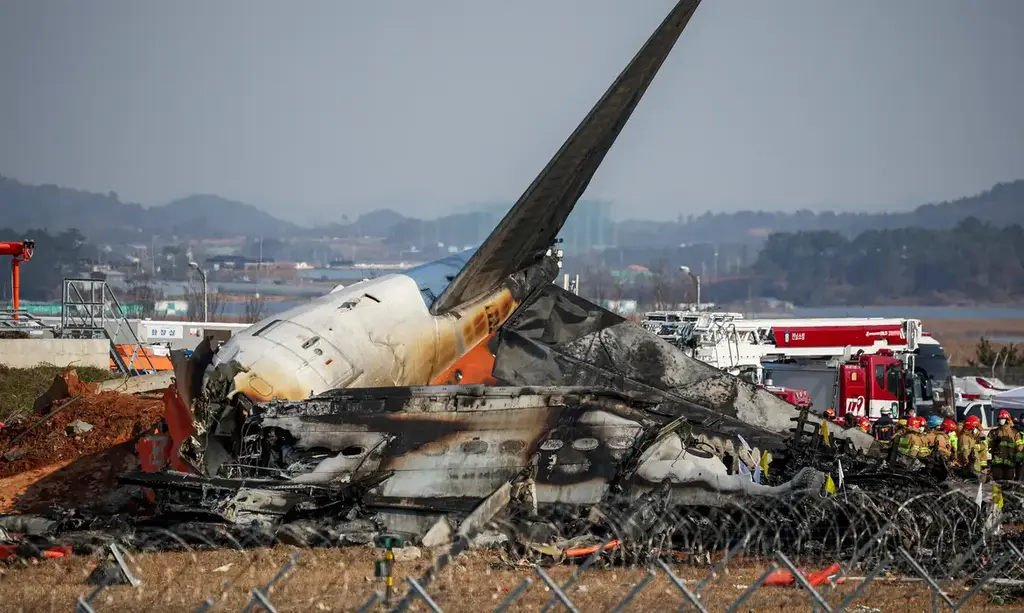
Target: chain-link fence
[[959, 549]]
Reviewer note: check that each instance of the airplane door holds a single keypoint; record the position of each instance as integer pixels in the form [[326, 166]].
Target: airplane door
[[317, 353]]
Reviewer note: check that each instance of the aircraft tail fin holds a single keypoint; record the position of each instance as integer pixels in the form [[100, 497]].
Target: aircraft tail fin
[[533, 223]]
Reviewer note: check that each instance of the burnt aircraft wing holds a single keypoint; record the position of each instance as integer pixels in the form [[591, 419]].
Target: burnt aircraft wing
[[530, 227]]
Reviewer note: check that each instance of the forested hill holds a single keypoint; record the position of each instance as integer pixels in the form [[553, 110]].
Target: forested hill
[[104, 217], [974, 262], [1001, 205]]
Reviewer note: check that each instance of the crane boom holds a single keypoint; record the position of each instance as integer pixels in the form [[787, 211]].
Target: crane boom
[[19, 252]]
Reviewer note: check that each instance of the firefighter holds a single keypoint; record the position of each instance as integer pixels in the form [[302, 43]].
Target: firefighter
[[903, 425], [926, 428], [864, 424], [1020, 456], [971, 449], [884, 429], [938, 439], [949, 427], [1002, 443], [912, 443]]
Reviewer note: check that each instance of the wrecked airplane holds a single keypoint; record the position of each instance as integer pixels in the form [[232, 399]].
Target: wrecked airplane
[[333, 399]]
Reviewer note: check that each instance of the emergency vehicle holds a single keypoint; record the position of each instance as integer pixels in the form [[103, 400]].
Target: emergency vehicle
[[867, 383], [968, 389], [743, 346]]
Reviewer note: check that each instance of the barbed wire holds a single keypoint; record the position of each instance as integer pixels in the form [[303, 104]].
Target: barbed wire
[[860, 548]]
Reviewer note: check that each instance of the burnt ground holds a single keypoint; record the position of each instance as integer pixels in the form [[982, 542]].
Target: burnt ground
[[342, 579]]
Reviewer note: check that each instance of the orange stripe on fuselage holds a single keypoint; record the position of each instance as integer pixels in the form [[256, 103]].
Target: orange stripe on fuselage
[[476, 367]]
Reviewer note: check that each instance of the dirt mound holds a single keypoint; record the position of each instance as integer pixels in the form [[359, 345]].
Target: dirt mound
[[20, 387], [115, 418]]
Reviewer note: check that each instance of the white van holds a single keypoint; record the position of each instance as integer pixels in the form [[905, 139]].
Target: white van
[[983, 410]]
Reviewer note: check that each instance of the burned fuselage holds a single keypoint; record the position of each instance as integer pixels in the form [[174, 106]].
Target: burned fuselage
[[463, 442]]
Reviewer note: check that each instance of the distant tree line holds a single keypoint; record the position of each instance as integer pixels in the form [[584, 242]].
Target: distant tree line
[[973, 262], [988, 355]]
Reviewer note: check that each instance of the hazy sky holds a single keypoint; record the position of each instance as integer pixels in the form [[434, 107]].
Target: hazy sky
[[324, 107]]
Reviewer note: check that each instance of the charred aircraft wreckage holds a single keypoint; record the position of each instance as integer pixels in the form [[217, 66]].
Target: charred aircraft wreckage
[[476, 383]]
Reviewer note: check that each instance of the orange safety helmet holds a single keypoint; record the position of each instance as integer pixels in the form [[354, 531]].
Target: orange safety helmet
[[830, 414], [948, 425], [972, 422], [864, 424], [916, 422]]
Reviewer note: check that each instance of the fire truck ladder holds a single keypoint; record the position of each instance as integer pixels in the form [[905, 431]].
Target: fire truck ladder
[[89, 309]]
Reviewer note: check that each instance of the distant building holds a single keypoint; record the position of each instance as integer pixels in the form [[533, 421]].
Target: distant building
[[589, 226], [235, 262]]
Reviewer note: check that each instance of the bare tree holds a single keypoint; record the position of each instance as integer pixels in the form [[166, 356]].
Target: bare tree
[[660, 287], [142, 293], [255, 305], [194, 300]]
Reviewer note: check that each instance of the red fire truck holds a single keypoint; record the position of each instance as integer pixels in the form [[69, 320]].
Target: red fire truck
[[870, 382]]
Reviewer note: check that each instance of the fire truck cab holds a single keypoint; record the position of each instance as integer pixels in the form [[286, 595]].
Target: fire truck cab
[[869, 382]]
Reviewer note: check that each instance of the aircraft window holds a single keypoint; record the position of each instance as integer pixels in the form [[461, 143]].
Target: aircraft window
[[584, 444], [474, 447], [880, 376], [551, 445], [267, 327]]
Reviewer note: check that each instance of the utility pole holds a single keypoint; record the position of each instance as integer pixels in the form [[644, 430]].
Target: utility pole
[[206, 295], [696, 281]]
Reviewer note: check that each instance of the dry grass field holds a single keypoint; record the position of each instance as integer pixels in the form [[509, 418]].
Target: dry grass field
[[960, 336], [342, 579]]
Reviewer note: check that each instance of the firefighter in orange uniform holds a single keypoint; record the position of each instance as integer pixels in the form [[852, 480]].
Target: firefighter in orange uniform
[[1002, 443], [971, 449], [913, 443], [938, 439]]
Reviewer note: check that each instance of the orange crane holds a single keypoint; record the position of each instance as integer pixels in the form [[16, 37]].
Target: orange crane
[[19, 252]]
